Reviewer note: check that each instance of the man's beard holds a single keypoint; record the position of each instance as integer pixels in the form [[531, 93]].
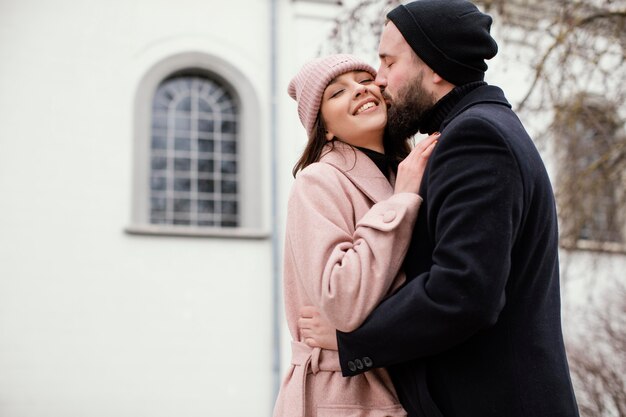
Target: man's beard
[[406, 113]]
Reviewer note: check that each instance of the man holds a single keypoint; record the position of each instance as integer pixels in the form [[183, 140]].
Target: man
[[476, 329]]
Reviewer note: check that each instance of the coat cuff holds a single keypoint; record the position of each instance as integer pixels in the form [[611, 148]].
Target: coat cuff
[[351, 366], [387, 215]]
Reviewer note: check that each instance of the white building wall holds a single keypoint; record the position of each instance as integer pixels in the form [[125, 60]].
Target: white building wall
[[93, 321]]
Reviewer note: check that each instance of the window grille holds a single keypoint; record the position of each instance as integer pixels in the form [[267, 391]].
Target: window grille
[[194, 178]]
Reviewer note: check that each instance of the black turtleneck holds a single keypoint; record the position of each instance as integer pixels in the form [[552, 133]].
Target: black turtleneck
[[384, 163], [433, 119]]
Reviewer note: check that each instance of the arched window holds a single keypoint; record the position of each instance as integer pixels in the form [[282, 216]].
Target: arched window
[[193, 175], [198, 149]]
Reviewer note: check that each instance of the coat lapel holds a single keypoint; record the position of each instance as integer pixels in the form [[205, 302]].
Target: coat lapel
[[360, 170]]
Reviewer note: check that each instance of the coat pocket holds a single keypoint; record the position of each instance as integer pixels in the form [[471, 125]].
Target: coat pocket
[[360, 411]]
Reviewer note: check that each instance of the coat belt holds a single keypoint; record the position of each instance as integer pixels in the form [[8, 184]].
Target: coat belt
[[308, 360]]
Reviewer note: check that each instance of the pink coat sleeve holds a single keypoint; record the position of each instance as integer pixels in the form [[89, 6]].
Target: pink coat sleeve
[[346, 269]]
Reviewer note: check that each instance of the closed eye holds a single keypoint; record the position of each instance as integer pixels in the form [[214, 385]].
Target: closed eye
[[386, 61], [367, 81], [336, 93]]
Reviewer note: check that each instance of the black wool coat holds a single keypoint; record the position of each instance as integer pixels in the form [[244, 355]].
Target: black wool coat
[[476, 330]]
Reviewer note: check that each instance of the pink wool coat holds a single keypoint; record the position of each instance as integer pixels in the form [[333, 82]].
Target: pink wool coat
[[346, 237]]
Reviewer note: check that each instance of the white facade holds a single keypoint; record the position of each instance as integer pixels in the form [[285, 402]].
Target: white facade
[[96, 320]]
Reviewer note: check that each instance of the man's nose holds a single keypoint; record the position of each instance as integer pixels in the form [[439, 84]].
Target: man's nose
[[380, 80]]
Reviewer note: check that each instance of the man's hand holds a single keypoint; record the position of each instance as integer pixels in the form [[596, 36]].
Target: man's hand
[[315, 331]]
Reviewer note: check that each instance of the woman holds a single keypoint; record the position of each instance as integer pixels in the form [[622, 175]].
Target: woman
[[347, 232]]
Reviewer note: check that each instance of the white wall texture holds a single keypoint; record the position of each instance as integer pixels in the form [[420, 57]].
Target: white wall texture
[[93, 321], [96, 322]]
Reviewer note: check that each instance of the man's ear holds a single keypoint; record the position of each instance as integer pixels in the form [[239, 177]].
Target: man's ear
[[437, 79], [442, 86], [440, 81]]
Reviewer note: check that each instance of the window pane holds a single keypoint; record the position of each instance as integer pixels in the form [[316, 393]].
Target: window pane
[[182, 144], [157, 218], [229, 167], [205, 125], [206, 186], [182, 83], [184, 104], [229, 127], [159, 142], [229, 207], [182, 205], [228, 108], [158, 204], [204, 106], [205, 165], [159, 104], [159, 122], [182, 123], [229, 187], [158, 183], [224, 98], [182, 184], [205, 145], [229, 147], [182, 164], [206, 206], [159, 162]]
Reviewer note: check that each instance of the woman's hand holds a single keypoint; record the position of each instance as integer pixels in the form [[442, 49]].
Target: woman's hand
[[315, 331], [411, 169]]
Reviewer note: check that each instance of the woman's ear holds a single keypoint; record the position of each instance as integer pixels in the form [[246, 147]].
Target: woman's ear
[[329, 136]]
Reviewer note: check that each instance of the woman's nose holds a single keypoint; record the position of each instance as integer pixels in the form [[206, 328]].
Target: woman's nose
[[359, 90]]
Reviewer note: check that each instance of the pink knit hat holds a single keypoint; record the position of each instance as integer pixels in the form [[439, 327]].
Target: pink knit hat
[[309, 84]]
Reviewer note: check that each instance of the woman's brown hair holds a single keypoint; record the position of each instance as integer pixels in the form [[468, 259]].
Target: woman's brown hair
[[313, 150], [396, 150]]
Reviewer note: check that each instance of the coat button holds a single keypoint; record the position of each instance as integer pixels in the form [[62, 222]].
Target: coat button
[[368, 362], [389, 216], [351, 366], [358, 363]]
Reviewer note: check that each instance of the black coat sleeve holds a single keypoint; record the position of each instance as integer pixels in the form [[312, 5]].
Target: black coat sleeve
[[474, 203]]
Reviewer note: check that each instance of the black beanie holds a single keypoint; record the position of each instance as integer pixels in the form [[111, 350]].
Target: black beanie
[[450, 36]]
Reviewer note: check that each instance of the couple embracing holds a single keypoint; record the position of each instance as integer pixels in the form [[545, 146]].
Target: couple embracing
[[420, 282]]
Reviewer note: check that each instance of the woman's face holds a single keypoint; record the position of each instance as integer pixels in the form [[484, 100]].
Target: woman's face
[[354, 111]]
